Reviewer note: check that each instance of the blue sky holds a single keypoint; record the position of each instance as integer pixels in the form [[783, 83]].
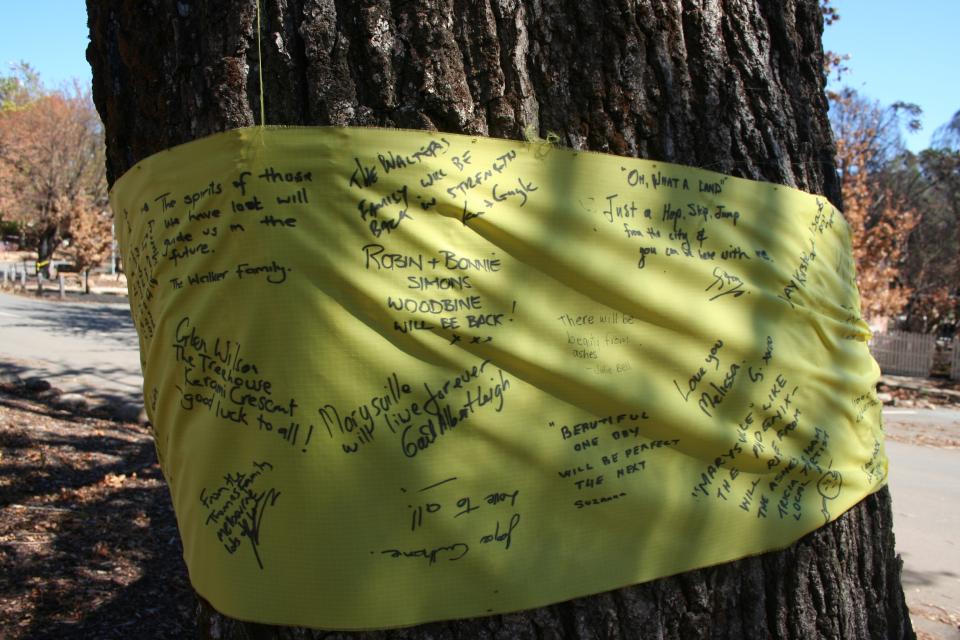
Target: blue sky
[[899, 50], [902, 50], [51, 35]]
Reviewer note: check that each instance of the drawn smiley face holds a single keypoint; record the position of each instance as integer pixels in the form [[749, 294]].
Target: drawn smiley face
[[829, 484]]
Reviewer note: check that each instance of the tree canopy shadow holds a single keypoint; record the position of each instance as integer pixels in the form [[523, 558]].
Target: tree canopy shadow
[[88, 537]]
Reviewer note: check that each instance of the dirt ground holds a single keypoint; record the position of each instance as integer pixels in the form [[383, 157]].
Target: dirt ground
[[88, 542]]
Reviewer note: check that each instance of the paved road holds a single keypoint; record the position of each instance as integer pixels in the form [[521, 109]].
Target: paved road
[[76, 347], [94, 347], [925, 486]]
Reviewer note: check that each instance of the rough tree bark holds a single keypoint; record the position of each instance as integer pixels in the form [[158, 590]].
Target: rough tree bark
[[730, 85]]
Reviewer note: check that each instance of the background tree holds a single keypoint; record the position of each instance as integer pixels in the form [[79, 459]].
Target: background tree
[[902, 207], [736, 87], [91, 235], [904, 210], [876, 205], [932, 258], [51, 162], [19, 88], [932, 263], [948, 134]]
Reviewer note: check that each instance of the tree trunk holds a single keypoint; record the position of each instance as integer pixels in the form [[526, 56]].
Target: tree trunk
[[46, 246], [735, 86]]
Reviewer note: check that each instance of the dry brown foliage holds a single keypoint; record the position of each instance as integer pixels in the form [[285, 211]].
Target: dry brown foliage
[[880, 218], [52, 178]]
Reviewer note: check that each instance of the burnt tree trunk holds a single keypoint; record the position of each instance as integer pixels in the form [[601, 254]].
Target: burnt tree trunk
[[731, 85]]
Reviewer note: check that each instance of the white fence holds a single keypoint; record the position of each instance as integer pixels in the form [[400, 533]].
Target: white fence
[[955, 360], [17, 272], [916, 354], [905, 354]]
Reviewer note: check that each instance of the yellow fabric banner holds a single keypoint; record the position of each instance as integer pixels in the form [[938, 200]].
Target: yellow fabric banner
[[403, 376]]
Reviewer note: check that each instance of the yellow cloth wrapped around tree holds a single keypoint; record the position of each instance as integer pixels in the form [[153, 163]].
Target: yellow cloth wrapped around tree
[[403, 376]]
